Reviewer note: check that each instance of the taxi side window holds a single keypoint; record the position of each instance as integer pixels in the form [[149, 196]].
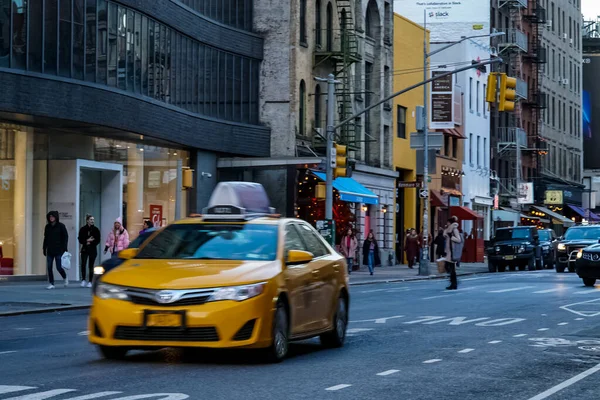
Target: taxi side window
[[293, 240], [313, 242]]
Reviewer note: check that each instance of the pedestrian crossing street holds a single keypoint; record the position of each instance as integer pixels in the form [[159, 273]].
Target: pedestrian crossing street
[[35, 393]]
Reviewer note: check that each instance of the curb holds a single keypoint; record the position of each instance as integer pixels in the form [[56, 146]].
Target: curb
[[425, 278], [44, 310]]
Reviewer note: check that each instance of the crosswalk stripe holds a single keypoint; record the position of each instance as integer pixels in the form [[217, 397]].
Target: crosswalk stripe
[[548, 290], [11, 389], [588, 292], [42, 395], [511, 289], [93, 396]]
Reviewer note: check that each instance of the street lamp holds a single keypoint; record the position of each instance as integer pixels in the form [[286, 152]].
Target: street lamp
[[424, 262]]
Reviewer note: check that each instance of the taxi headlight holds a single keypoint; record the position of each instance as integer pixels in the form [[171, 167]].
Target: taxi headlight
[[580, 254], [562, 246], [106, 291], [238, 293], [99, 270]]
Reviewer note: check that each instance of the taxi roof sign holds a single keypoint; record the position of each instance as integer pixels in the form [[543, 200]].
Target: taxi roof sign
[[235, 200]]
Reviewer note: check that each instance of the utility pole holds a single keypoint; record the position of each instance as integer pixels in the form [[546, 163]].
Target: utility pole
[[424, 260]]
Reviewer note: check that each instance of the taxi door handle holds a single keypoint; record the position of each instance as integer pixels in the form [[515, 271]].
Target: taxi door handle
[[336, 267]]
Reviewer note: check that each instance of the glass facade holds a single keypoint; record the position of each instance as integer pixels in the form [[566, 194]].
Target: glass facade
[[236, 13], [76, 174], [104, 43]]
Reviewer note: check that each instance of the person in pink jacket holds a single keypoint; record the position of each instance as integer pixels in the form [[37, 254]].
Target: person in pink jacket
[[348, 245], [118, 238]]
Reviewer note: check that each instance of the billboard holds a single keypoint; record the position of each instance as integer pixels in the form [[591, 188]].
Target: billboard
[[447, 20], [591, 107]]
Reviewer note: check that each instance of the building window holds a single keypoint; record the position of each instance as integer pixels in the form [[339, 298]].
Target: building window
[[302, 109], [478, 150], [471, 94], [329, 27], [303, 21], [372, 22], [236, 13], [447, 149], [471, 148], [484, 104], [317, 122], [401, 122], [486, 158], [478, 104], [454, 147], [318, 24]]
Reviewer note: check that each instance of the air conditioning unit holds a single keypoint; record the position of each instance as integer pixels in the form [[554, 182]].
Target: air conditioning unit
[[565, 82], [571, 41], [549, 23], [565, 36]]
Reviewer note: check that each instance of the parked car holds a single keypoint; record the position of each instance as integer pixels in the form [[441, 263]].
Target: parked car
[[587, 265], [549, 244], [576, 238], [515, 247]]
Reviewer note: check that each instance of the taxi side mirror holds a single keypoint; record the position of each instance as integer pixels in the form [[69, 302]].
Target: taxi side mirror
[[128, 254], [298, 257]]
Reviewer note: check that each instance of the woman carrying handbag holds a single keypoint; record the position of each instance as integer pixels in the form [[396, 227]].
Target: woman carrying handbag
[[454, 243]]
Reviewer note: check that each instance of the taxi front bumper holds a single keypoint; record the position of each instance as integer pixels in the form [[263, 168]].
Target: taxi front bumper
[[219, 324]]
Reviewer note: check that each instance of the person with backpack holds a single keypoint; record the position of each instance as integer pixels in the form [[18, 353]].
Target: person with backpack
[[454, 245]]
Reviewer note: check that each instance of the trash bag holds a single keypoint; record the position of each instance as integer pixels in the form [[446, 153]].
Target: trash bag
[[66, 260]]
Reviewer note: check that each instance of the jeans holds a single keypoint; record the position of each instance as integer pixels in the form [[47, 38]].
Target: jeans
[[350, 262], [85, 257], [59, 268], [371, 261], [451, 268]]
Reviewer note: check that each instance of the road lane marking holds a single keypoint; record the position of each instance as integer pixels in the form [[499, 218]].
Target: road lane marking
[[511, 289], [374, 290], [563, 324], [520, 335], [84, 333], [587, 292], [388, 372], [474, 279], [384, 320], [548, 290], [23, 329], [8, 352], [42, 395], [337, 387], [357, 330], [543, 329], [588, 311], [432, 361], [456, 320], [579, 319], [566, 383], [495, 341], [465, 351], [438, 297], [378, 319], [11, 389], [164, 396], [93, 396]]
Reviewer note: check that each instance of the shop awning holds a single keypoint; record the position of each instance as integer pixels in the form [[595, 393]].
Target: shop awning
[[560, 219], [454, 133], [436, 198], [350, 190], [583, 213], [464, 213]]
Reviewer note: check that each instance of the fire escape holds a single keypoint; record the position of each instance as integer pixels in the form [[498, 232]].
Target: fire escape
[[341, 51], [512, 139], [537, 100]]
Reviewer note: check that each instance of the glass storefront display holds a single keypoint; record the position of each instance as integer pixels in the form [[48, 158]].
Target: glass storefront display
[[77, 174]]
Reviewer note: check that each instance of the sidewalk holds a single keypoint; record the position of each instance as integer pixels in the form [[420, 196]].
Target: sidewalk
[[33, 297]]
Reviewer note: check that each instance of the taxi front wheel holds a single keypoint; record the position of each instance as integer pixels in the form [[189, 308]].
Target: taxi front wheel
[[113, 352], [279, 348], [336, 336]]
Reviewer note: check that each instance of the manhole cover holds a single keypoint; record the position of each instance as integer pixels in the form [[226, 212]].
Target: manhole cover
[[590, 348]]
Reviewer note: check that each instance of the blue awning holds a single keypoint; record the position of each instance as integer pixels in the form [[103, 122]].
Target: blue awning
[[350, 190], [583, 213]]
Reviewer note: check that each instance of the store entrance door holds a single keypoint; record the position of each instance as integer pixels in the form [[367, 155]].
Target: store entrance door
[[90, 198]]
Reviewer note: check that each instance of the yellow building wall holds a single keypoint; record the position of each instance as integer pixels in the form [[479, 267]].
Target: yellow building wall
[[408, 70]]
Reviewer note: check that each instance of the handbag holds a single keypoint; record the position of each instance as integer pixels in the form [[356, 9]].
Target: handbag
[[441, 265], [457, 249]]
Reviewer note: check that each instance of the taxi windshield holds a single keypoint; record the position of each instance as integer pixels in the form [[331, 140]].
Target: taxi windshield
[[213, 242]]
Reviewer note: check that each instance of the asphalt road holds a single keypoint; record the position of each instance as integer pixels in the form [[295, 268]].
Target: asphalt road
[[525, 335]]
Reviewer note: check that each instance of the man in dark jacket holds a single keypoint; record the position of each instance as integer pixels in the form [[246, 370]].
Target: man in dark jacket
[[56, 240], [89, 238]]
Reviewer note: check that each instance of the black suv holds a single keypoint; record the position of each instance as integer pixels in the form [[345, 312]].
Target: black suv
[[515, 247], [588, 264], [576, 238], [549, 243]]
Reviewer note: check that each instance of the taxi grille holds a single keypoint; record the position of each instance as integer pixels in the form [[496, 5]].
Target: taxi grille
[[167, 334], [190, 301], [245, 331]]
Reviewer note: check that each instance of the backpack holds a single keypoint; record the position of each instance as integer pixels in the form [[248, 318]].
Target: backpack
[[456, 249]]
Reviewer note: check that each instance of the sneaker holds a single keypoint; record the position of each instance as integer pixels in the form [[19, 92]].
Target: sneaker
[[89, 284], [50, 287], [83, 283], [66, 282]]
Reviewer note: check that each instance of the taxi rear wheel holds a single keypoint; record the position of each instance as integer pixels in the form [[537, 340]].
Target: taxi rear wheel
[[279, 348], [113, 353], [337, 336]]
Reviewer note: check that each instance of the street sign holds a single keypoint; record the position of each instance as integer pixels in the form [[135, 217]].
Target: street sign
[[423, 194], [333, 153], [409, 185], [436, 140], [326, 229]]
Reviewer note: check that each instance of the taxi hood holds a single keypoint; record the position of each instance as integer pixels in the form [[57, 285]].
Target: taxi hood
[[190, 274]]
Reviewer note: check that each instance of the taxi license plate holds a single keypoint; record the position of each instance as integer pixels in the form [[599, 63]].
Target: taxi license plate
[[509, 257], [164, 320]]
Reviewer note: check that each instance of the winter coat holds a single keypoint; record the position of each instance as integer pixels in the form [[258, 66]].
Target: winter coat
[[412, 246], [440, 246], [367, 248], [349, 252], [85, 233], [451, 235], [117, 241], [56, 237]]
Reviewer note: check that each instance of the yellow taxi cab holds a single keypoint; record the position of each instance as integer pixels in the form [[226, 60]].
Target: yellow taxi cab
[[237, 276]]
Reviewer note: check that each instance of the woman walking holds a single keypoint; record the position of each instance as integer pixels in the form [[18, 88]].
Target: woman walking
[[440, 244], [89, 238], [412, 246], [118, 238], [371, 252], [452, 236], [349, 245], [147, 225]]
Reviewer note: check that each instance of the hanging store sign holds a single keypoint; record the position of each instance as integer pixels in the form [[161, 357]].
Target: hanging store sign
[[554, 197], [526, 193], [442, 102]]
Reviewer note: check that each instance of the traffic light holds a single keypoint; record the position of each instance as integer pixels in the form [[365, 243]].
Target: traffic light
[[508, 93], [341, 160], [492, 85]]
